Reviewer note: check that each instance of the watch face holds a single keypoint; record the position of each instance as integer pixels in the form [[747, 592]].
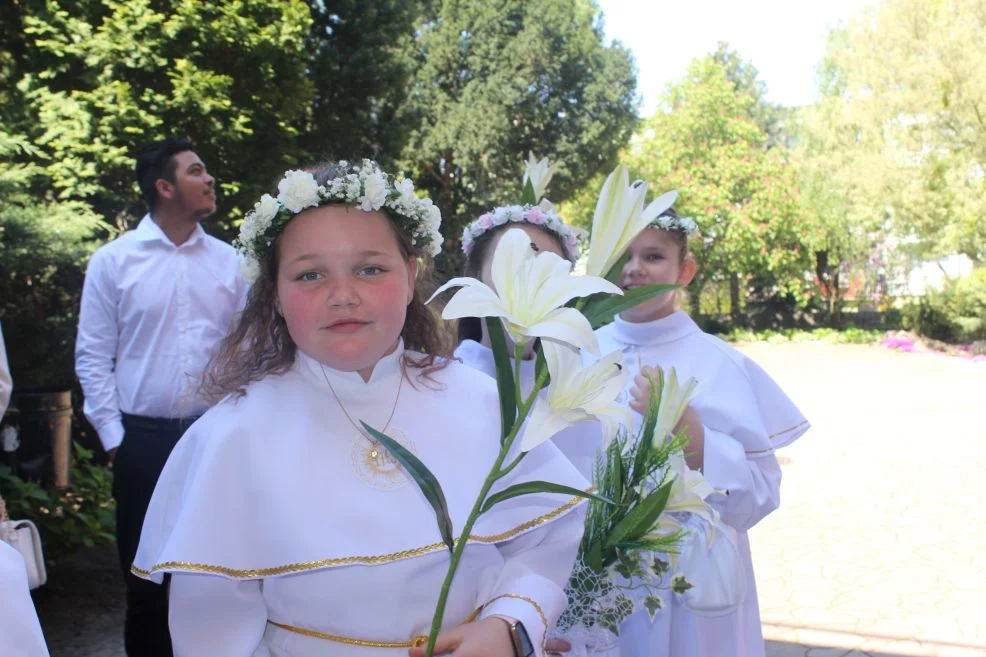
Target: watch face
[[525, 648]]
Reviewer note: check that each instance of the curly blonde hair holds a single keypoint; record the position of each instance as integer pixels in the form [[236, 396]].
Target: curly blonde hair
[[260, 345]]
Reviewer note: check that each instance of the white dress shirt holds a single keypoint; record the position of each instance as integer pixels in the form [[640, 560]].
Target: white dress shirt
[[6, 384], [152, 314]]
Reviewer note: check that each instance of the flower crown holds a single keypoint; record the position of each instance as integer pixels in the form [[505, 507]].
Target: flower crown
[[363, 186], [537, 175], [684, 225], [571, 237]]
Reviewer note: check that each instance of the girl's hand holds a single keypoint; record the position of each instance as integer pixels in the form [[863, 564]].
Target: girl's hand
[[489, 637], [690, 422], [640, 392], [556, 647]]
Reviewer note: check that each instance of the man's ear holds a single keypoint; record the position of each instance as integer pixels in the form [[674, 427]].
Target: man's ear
[[165, 189]]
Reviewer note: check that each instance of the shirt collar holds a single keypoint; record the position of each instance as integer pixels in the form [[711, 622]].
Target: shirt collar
[[148, 231], [660, 331]]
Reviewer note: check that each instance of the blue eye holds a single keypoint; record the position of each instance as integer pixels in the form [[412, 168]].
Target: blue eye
[[370, 270], [309, 276]]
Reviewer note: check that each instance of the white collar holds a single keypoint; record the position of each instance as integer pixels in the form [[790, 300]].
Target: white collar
[[386, 370], [148, 231], [659, 331]]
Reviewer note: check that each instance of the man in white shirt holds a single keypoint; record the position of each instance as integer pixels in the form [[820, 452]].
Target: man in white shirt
[[155, 304]]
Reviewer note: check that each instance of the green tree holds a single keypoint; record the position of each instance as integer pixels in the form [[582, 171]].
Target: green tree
[[361, 69], [711, 140], [84, 84], [494, 80], [909, 74]]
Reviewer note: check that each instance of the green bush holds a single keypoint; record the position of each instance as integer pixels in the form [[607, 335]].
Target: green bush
[[827, 335], [955, 314], [82, 514]]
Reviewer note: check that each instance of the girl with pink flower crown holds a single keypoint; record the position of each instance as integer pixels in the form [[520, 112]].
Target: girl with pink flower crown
[[737, 420], [285, 527]]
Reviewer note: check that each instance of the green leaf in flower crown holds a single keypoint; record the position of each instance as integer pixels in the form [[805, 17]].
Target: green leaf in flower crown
[[641, 518], [426, 481], [504, 376], [528, 196], [653, 605], [529, 487], [603, 308]]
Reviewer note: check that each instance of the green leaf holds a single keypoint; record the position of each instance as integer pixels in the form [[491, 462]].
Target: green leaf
[[653, 604], [528, 196], [602, 310], [641, 518], [504, 376], [528, 487], [426, 481], [679, 584]]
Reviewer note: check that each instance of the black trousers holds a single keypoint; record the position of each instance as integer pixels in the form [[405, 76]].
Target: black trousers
[[147, 443]]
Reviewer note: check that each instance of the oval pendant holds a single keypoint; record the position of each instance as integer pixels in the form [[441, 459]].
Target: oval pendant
[[376, 466]]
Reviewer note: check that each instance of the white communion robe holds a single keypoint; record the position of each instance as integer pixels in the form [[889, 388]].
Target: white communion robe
[[20, 632], [269, 513], [746, 417]]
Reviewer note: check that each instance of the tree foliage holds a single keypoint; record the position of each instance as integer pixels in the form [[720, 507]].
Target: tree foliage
[[494, 80], [909, 75], [711, 139]]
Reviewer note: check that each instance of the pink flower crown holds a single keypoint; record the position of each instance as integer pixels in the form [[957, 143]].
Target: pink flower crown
[[571, 237]]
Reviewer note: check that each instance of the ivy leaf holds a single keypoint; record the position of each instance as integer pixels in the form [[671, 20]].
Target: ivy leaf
[[653, 605]]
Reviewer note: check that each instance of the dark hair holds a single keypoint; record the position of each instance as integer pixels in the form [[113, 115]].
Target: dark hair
[[260, 344], [156, 161], [471, 328]]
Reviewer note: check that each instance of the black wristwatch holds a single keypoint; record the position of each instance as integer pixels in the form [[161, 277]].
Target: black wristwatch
[[523, 647]]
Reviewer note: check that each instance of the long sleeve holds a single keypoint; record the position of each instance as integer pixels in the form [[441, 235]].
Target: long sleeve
[[6, 383], [20, 632], [753, 483], [210, 615], [95, 351], [531, 586]]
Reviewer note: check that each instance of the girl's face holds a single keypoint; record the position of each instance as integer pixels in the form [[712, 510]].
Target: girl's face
[[343, 286], [655, 259]]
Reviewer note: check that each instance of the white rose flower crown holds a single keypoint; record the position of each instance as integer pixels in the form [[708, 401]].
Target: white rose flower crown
[[363, 186]]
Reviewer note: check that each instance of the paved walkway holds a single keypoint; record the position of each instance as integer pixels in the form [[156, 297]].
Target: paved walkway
[[876, 549]]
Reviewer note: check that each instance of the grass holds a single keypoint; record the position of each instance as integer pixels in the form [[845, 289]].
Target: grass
[[826, 335]]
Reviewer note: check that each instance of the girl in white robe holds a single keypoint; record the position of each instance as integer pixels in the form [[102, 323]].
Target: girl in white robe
[[20, 632], [581, 443], [738, 419], [286, 529]]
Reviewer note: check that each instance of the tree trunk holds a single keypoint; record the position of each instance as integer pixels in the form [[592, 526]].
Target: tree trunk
[[734, 299]]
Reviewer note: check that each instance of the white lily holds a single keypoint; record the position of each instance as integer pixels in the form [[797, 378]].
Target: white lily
[[674, 399], [529, 293], [577, 394], [539, 173], [620, 216]]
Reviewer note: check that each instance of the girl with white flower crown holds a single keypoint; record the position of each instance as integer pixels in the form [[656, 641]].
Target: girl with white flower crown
[[736, 421], [286, 528]]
